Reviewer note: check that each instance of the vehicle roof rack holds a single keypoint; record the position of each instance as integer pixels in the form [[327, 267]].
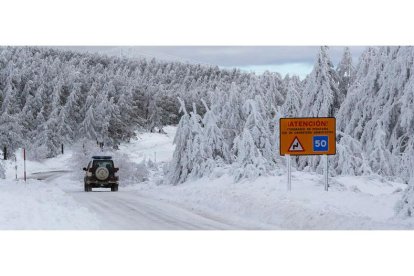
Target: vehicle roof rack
[[102, 157]]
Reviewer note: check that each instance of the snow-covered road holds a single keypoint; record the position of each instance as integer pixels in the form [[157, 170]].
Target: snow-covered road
[[128, 210]]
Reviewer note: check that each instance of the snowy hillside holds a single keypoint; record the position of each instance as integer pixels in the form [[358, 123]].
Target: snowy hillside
[[58, 201]]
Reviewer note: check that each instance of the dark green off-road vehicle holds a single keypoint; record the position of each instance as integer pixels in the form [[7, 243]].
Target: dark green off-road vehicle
[[100, 173]]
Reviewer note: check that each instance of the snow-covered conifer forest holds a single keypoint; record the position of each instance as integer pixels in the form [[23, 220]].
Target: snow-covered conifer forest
[[225, 118]]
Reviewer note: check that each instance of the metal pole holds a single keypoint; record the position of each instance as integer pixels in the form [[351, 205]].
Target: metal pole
[[289, 176], [326, 172], [62, 149], [155, 157], [24, 163]]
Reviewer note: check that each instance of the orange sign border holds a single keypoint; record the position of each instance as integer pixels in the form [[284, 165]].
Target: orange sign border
[[289, 118]]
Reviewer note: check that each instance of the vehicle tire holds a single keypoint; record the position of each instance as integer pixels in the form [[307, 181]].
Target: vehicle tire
[[114, 188], [102, 173], [87, 189]]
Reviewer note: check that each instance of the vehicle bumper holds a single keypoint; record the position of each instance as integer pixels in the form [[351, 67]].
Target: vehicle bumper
[[98, 184]]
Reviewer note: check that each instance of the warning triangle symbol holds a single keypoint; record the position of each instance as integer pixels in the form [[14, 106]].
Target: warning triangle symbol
[[296, 146]]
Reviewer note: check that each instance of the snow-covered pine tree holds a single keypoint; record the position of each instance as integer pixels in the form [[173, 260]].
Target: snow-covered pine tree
[[350, 158], [10, 132], [64, 126], [119, 129], [380, 159], [253, 149], [320, 97], [274, 126], [346, 73], [249, 162], [10, 104], [292, 105], [27, 117], [258, 122], [181, 164], [70, 115], [196, 147], [378, 108], [51, 138], [126, 107], [232, 115], [215, 146], [270, 87], [102, 116], [154, 117], [353, 113], [88, 125]]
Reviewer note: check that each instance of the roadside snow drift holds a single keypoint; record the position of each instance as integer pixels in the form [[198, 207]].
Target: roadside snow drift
[[38, 205]]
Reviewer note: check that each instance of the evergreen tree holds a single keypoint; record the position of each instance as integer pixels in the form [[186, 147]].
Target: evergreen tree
[[10, 132], [88, 126], [9, 104], [258, 126], [215, 144], [292, 105], [232, 115], [154, 117], [321, 94], [345, 71], [249, 161], [180, 166]]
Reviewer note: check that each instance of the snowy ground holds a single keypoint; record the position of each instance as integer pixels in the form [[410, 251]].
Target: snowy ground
[[53, 198]]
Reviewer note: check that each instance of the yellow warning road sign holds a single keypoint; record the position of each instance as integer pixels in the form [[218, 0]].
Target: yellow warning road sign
[[296, 146], [308, 136]]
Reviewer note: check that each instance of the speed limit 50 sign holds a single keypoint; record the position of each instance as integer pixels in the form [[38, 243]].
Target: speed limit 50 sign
[[308, 136]]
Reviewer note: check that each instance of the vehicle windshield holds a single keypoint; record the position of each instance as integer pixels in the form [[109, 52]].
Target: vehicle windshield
[[103, 163]]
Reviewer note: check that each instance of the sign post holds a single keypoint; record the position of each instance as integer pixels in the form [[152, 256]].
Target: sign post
[[289, 174], [308, 136], [326, 172]]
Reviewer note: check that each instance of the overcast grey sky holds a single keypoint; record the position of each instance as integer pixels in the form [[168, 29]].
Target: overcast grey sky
[[283, 59]]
